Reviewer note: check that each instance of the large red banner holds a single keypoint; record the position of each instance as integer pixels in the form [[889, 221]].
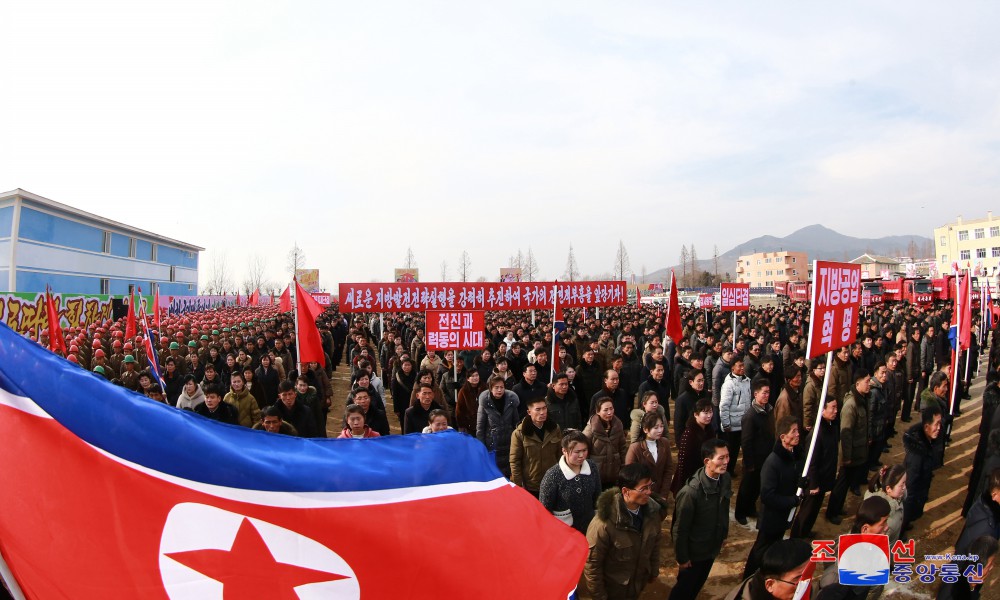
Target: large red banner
[[421, 297], [735, 296], [456, 330], [835, 300]]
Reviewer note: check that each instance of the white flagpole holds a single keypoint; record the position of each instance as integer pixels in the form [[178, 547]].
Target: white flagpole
[[298, 342], [816, 426], [552, 357], [958, 341]]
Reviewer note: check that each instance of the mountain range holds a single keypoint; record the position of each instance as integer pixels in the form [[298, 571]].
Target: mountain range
[[817, 241]]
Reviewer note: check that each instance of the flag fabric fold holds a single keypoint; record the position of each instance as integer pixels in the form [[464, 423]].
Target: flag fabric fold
[[215, 510], [558, 326], [254, 298], [308, 340], [56, 340], [285, 302], [673, 327], [130, 319], [156, 308]]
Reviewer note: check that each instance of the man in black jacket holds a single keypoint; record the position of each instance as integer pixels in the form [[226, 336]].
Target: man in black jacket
[[656, 384], [756, 441], [822, 471], [920, 460], [528, 389], [298, 414], [779, 479]]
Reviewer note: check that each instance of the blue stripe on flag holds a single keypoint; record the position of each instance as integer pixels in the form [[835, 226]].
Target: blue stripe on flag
[[186, 445]]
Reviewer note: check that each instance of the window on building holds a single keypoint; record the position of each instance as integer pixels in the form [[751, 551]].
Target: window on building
[[131, 247], [793, 259], [767, 260], [794, 271], [758, 262], [781, 271], [944, 240], [944, 258], [173, 274], [965, 255], [980, 233], [107, 246], [963, 235], [995, 231], [980, 252], [106, 284], [152, 252], [996, 251]]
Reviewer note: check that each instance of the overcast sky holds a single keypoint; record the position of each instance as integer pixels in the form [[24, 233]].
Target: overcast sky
[[359, 129]]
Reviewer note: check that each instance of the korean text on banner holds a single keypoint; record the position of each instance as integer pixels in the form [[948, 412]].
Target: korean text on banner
[[735, 296], [421, 297], [705, 301], [456, 330], [835, 300]]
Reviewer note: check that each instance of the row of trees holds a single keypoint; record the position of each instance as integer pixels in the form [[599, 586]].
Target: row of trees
[[222, 280]]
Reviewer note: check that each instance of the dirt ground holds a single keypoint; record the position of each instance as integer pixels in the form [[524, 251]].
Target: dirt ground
[[935, 532]]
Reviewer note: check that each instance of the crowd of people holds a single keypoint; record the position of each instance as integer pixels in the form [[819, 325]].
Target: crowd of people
[[619, 431]]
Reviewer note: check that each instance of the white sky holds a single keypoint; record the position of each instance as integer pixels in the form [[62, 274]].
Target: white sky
[[361, 128]]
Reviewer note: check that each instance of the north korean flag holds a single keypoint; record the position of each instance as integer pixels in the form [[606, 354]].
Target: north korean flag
[[108, 494]]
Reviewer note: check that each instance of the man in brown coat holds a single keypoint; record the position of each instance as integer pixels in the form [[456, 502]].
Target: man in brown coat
[[624, 538], [535, 447]]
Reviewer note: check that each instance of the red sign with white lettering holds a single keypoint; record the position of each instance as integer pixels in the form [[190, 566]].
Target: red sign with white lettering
[[735, 296], [835, 301], [705, 301], [456, 330], [420, 297]]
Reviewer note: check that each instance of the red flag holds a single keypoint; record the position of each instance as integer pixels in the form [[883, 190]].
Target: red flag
[[56, 341], [306, 334], [156, 307], [285, 302], [130, 320], [638, 297], [803, 589], [255, 298], [239, 301], [674, 328]]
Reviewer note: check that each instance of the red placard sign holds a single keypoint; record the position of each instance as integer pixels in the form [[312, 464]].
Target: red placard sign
[[866, 298], [705, 301], [835, 299], [456, 330], [735, 296], [322, 298], [420, 297]]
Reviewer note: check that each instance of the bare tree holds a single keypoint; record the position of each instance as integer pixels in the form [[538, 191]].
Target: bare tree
[[254, 278], [911, 249], [684, 266], [572, 272], [622, 266], [481, 279], [219, 281], [715, 261], [695, 275], [296, 260], [530, 268], [516, 262], [409, 262], [464, 266], [928, 249], [642, 273], [444, 270]]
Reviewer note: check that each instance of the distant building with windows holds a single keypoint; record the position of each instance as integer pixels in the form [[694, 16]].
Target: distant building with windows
[[873, 266], [43, 242], [968, 243], [764, 269]]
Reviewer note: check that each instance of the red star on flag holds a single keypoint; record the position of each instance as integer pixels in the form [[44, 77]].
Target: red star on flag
[[249, 570]]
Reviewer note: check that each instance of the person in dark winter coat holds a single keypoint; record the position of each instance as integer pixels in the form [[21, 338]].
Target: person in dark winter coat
[[756, 441], [403, 381], [570, 489], [984, 516], [528, 389], [374, 418], [692, 390], [779, 479], [418, 416], [985, 549], [653, 449], [854, 443], [267, 377], [920, 460], [534, 447], [496, 422], [612, 389], [657, 383], [878, 408], [564, 408], [291, 410], [588, 379], [698, 431], [467, 407], [214, 408], [701, 518], [626, 517], [991, 399], [822, 470]]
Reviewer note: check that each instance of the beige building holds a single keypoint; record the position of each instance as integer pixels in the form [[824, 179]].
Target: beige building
[[974, 243], [873, 266], [764, 269]]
